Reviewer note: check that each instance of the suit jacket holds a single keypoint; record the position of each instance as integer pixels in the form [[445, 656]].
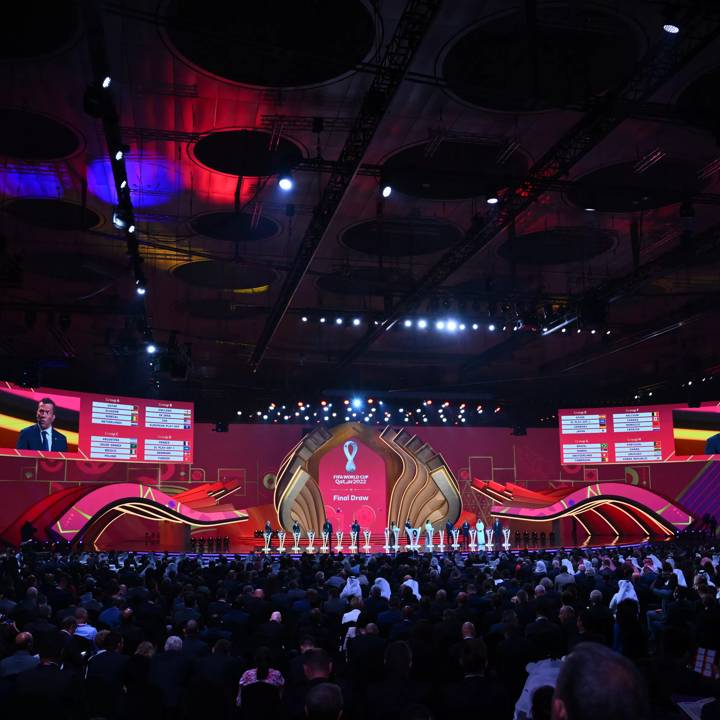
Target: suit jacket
[[29, 439], [47, 691], [104, 684], [17, 662]]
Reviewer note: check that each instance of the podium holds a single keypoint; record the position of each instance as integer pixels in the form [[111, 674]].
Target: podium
[[339, 536], [386, 547], [396, 535], [353, 542], [281, 541], [441, 545], [506, 535], [455, 537], [325, 541], [267, 537], [473, 537], [311, 540], [296, 547], [429, 539], [366, 546]]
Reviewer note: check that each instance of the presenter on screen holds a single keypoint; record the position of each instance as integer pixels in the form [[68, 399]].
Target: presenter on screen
[[42, 435], [712, 445]]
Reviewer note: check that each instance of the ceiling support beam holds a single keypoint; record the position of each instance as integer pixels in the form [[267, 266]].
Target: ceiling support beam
[[411, 29], [662, 63]]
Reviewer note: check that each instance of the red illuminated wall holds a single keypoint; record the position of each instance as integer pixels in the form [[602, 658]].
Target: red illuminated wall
[[252, 453]]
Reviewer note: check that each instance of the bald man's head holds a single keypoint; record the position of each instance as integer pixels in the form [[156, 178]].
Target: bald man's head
[[24, 641], [468, 630]]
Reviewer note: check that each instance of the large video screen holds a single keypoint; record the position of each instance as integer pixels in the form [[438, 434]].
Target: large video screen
[[62, 424], [646, 433]]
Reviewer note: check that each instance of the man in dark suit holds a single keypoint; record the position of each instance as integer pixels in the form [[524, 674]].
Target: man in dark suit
[[712, 445], [22, 659], [42, 435], [105, 677], [47, 690]]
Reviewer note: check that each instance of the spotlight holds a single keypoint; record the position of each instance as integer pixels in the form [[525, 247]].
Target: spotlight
[[322, 319], [119, 155], [607, 332], [491, 327], [338, 321], [422, 324], [386, 191], [461, 326], [118, 219], [451, 325], [669, 26], [491, 197], [475, 326], [357, 403], [356, 321], [440, 325], [131, 229], [593, 331], [286, 182], [304, 318], [106, 82], [140, 290], [408, 323], [589, 209], [151, 349], [123, 184]]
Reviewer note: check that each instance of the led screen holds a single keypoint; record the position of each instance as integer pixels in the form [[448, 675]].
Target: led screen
[[58, 423], [646, 434]]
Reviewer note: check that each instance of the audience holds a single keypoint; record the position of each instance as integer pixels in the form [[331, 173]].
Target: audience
[[574, 635]]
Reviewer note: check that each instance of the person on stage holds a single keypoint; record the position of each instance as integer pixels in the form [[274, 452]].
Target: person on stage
[[466, 534], [355, 528], [268, 528], [327, 531], [42, 435], [498, 533], [449, 527], [429, 530], [296, 528], [480, 528], [409, 531]]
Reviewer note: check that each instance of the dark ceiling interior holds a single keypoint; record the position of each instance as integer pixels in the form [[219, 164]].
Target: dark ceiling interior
[[596, 131]]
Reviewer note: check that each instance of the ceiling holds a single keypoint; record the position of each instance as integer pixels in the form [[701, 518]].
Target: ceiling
[[215, 103]]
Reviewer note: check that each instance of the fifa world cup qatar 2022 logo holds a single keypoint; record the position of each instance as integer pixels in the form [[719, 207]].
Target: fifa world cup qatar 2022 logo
[[350, 448]]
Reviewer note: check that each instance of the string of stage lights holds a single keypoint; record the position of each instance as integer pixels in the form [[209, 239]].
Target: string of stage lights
[[373, 412], [452, 325]]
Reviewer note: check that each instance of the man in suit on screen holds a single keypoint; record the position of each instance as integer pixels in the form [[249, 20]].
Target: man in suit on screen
[[712, 445], [42, 435]]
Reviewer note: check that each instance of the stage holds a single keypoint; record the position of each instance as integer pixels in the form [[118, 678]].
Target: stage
[[340, 475]]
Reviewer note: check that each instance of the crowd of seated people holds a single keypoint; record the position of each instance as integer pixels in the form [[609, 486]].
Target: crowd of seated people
[[573, 636]]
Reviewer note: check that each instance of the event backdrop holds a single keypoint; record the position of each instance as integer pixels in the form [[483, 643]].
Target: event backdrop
[[251, 455]]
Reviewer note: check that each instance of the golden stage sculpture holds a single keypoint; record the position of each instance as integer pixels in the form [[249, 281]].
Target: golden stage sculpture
[[419, 484]]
